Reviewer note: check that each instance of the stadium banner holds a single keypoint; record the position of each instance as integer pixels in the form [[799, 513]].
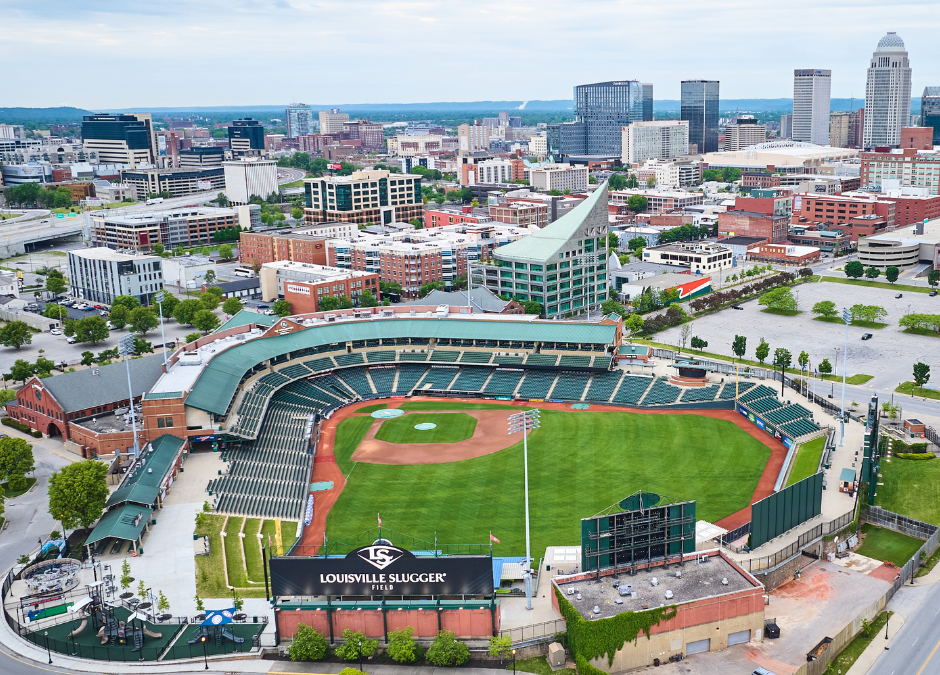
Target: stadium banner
[[743, 410], [787, 442], [759, 422], [382, 569]]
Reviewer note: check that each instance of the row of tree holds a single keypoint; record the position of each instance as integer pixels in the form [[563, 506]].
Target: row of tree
[[720, 298], [827, 310], [31, 194], [445, 651]]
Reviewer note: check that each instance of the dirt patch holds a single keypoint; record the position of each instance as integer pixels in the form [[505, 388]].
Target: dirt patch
[[885, 573], [489, 436]]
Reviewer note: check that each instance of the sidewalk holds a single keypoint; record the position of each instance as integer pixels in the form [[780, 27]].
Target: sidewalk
[[876, 647], [280, 667]]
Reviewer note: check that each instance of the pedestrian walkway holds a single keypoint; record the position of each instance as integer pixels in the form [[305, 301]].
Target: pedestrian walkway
[[876, 647]]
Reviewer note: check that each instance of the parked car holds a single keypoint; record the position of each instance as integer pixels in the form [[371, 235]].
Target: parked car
[[71, 339], [269, 312], [866, 336], [932, 293], [55, 331], [898, 295], [736, 307], [263, 306], [89, 309], [103, 313]]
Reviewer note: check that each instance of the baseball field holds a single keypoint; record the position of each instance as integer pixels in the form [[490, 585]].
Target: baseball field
[[464, 478]]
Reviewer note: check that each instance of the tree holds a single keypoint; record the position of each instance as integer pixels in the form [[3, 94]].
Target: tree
[[162, 603], [167, 307], [633, 182], [651, 182], [141, 589], [634, 323], [78, 493], [921, 376], [159, 248], [933, 278], [216, 291], [825, 309], [128, 301], [780, 299], [143, 320], [15, 334], [367, 299], [206, 321], [88, 358], [185, 310], [54, 311], [142, 346], [803, 360], [500, 646], [118, 317], [199, 604], [739, 345], [126, 577], [891, 274], [210, 276], [308, 645], [637, 204], [762, 351], [613, 241], [872, 273], [282, 307], [854, 269], [684, 334], [447, 651], [225, 251], [55, 282], [328, 303], [698, 343], [782, 358], [209, 301], [192, 337], [401, 645], [16, 458], [430, 286], [296, 213], [91, 329], [355, 646], [232, 306], [616, 181], [612, 307], [636, 243], [825, 367], [531, 306], [205, 251], [43, 366], [418, 225]]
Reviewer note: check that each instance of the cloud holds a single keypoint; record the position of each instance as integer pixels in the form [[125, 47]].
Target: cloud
[[243, 52]]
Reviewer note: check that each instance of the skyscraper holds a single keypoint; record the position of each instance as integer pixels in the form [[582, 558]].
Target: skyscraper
[[647, 102], [811, 105], [930, 111], [299, 120], [120, 139], [887, 93], [604, 108], [699, 106], [786, 125], [246, 137]]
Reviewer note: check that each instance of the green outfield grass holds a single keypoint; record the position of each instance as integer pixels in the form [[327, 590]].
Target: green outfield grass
[[911, 488], [451, 428], [371, 408], [457, 405], [349, 435], [882, 544], [806, 461], [579, 464]]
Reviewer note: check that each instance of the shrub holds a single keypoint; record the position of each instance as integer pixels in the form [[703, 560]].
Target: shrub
[[447, 651], [915, 455], [351, 671], [7, 422], [307, 645], [401, 645], [350, 650], [35, 434]]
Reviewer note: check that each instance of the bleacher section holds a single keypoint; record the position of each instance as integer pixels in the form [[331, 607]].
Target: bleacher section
[[632, 388], [603, 385], [541, 359], [766, 404], [699, 394], [380, 356], [728, 391], [787, 414], [471, 379], [355, 379], [348, 359], [443, 356], [508, 360], [576, 360], [383, 379], [408, 377], [269, 477], [438, 378], [503, 382], [410, 356], [799, 428], [570, 385], [294, 371], [760, 391], [475, 357], [325, 363], [537, 383], [661, 393]]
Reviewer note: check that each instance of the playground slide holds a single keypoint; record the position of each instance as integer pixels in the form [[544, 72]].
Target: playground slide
[[231, 637], [100, 634], [82, 626], [150, 633]]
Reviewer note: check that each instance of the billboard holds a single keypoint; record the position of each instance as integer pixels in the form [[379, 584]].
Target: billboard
[[204, 184], [334, 167], [382, 569]]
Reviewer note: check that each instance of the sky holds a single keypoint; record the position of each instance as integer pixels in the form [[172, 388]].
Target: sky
[[114, 54]]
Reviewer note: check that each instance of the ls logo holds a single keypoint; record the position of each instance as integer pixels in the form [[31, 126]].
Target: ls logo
[[380, 557]]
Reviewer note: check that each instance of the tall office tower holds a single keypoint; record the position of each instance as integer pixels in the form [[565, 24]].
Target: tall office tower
[[604, 109], [811, 105], [887, 93], [744, 132], [786, 126], [647, 102], [699, 107], [299, 120], [930, 111], [246, 137], [120, 139], [332, 121], [841, 129]]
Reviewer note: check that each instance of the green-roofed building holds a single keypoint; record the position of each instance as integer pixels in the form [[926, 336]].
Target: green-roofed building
[[563, 266]]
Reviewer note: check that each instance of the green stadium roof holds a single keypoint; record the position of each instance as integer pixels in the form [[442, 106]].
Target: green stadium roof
[[121, 523], [218, 382], [542, 246], [244, 317]]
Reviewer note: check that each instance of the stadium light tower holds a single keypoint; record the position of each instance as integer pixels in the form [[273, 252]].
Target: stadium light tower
[[125, 349], [847, 317], [160, 297], [525, 421]]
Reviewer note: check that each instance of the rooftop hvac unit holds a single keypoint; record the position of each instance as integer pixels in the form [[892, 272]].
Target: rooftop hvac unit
[[654, 581], [724, 581], [668, 595]]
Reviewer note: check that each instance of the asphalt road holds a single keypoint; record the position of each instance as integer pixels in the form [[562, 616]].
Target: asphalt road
[[914, 649]]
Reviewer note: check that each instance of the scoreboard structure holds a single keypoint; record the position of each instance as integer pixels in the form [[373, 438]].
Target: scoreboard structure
[[637, 530]]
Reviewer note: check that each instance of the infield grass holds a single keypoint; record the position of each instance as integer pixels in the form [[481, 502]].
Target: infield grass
[[371, 408], [806, 461], [911, 488], [882, 544], [579, 464], [451, 428]]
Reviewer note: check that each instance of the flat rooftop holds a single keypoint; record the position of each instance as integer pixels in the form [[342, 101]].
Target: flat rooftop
[[104, 253], [696, 581]]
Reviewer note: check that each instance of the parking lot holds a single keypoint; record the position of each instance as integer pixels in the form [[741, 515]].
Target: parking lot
[[889, 355]]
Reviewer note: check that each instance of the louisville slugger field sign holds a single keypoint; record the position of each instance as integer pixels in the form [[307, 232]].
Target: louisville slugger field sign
[[382, 569]]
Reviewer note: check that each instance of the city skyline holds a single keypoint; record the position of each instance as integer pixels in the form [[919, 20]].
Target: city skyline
[[215, 54]]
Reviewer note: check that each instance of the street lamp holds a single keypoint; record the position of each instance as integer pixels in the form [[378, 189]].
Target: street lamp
[[125, 348], [525, 421], [48, 651], [360, 656], [887, 619], [205, 654], [847, 317], [513, 662], [160, 297]]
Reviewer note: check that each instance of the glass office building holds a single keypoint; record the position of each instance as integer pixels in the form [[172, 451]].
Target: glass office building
[[930, 111], [699, 107]]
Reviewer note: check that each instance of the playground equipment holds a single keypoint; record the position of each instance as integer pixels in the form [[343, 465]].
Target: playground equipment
[[81, 627], [108, 628], [50, 576], [213, 627]]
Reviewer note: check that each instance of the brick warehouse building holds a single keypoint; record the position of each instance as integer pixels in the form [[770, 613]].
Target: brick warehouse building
[[772, 227], [258, 248], [860, 214], [304, 285]]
